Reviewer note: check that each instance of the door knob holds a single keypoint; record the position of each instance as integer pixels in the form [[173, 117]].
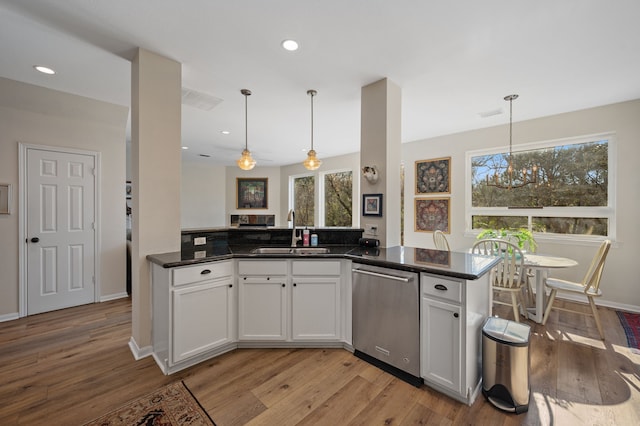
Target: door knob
[[35, 239]]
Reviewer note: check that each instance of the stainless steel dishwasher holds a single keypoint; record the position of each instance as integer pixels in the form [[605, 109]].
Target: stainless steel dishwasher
[[386, 320]]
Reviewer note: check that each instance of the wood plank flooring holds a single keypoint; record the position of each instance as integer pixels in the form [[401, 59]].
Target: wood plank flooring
[[70, 366]]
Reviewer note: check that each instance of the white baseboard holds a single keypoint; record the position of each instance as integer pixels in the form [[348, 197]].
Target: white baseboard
[[600, 302], [139, 353], [9, 317], [115, 296]]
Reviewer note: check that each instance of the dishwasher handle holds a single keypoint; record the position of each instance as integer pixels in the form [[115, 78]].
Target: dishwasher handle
[[378, 274]]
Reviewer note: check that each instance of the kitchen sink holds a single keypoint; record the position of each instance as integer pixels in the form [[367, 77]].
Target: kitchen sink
[[290, 250]]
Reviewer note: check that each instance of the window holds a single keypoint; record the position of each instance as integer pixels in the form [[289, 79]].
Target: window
[[338, 198], [304, 199], [573, 193], [334, 198]]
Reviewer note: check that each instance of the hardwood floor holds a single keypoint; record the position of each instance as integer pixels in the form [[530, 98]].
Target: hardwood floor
[[70, 366]]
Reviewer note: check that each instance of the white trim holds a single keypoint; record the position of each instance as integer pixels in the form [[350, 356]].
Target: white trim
[[22, 217], [115, 296], [600, 302], [9, 317], [137, 351]]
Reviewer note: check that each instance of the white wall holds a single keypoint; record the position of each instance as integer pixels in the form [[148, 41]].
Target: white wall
[[619, 282], [32, 114], [203, 196]]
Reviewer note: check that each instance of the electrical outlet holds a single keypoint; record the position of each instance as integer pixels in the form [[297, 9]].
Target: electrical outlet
[[370, 229], [199, 241]]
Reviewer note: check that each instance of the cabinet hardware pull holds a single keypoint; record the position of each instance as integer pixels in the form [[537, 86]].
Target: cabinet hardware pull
[[205, 272], [377, 274], [295, 284], [455, 315], [282, 284], [441, 287], [230, 285], [35, 239], [268, 278]]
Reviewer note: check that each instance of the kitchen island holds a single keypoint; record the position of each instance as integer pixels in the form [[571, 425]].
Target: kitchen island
[[208, 302]]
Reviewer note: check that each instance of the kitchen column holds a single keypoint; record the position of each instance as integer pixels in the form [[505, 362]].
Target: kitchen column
[[380, 146], [156, 102]]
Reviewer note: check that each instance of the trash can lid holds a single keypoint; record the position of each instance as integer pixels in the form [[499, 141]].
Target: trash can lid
[[506, 331]]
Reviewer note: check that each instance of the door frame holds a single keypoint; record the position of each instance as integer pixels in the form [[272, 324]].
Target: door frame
[[22, 217]]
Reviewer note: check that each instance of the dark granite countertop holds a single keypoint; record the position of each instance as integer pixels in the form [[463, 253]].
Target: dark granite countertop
[[453, 264]]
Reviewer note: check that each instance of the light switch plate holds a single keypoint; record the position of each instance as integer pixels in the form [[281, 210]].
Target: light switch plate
[[370, 229], [198, 241]]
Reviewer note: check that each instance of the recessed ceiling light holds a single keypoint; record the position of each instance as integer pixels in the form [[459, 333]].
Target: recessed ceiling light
[[185, 147], [44, 70], [225, 132], [290, 45]]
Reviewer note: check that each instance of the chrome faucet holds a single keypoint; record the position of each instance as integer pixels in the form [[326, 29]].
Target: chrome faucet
[[294, 235]]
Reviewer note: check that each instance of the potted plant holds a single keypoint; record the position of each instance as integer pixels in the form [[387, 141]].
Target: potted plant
[[520, 236]]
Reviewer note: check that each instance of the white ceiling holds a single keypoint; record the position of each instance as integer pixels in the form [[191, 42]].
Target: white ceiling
[[452, 59]]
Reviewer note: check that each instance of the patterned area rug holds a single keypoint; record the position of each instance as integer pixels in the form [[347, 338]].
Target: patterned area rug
[[172, 405], [631, 324]]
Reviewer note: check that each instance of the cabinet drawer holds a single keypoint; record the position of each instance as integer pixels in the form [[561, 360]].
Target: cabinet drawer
[[316, 267], [442, 287], [202, 272], [262, 267]]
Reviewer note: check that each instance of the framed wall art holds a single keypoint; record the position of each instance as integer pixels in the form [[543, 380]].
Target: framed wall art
[[433, 176], [5, 198], [371, 204], [432, 214], [251, 193]]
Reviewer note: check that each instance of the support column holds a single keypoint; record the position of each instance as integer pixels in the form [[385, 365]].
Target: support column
[[380, 145], [156, 102]]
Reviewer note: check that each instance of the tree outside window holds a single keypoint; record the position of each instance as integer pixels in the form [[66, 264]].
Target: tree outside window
[[338, 198], [304, 200], [570, 196]]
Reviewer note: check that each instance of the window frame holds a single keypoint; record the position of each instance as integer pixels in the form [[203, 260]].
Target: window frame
[[608, 211], [321, 198], [292, 179]]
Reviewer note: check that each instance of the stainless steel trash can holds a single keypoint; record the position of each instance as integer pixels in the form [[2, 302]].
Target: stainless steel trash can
[[505, 364]]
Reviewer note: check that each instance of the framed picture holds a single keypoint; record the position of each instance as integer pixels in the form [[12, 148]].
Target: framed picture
[[433, 176], [432, 214], [5, 198], [128, 190], [251, 193], [372, 204]]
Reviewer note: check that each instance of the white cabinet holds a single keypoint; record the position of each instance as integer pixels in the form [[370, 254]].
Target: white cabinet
[[315, 303], [452, 313], [194, 311], [202, 318], [262, 300], [441, 357]]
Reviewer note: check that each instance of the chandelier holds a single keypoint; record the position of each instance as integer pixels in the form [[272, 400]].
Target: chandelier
[[512, 179], [246, 162], [312, 162]]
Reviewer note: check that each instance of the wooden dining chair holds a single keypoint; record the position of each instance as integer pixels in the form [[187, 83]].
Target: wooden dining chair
[[440, 240], [590, 287], [508, 275]]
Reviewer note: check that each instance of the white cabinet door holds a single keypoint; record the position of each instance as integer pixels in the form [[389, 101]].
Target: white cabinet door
[[440, 340], [262, 308], [316, 308], [202, 318]]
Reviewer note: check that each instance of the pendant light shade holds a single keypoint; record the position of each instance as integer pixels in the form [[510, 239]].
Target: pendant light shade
[[312, 162], [246, 162]]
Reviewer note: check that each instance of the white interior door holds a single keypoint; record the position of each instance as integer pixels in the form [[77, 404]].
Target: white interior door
[[60, 235]]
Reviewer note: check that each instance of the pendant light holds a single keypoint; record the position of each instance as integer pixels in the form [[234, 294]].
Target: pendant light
[[246, 162], [312, 162], [510, 179]]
